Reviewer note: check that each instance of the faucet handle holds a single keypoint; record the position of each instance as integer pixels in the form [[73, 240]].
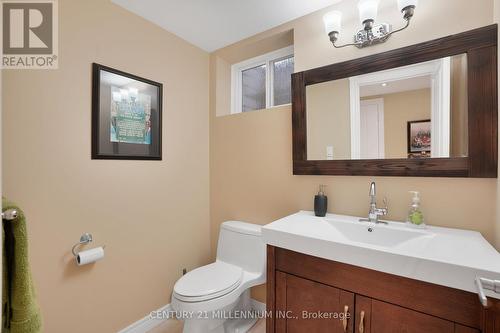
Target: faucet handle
[[386, 207], [386, 203]]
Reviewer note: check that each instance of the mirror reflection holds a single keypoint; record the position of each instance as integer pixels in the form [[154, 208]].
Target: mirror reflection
[[417, 111]]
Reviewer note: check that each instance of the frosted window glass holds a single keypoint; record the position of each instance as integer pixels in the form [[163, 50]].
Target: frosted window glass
[[282, 90], [253, 89]]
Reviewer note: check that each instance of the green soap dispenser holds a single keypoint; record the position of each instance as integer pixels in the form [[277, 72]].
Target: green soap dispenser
[[415, 216]]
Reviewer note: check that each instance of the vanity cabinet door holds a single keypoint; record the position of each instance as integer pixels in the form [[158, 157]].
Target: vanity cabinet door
[[305, 306], [363, 314], [373, 316]]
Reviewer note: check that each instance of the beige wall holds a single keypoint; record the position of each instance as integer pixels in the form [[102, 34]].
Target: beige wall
[[328, 120], [47, 166], [250, 154], [151, 215]]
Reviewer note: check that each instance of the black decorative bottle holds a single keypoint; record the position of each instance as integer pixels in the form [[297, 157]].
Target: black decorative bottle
[[320, 202]]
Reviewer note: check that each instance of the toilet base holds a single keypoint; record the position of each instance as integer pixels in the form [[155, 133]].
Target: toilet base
[[239, 325], [215, 324]]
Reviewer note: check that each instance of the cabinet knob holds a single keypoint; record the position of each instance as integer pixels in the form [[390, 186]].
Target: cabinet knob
[[362, 322], [344, 320]]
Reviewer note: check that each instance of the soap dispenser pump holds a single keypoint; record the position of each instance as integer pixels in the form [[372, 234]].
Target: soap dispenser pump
[[320, 202], [415, 216]]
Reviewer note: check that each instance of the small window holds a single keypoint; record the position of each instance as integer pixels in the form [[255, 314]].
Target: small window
[[253, 88], [262, 82]]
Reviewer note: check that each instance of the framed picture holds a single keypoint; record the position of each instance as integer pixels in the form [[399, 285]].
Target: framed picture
[[126, 116], [419, 138]]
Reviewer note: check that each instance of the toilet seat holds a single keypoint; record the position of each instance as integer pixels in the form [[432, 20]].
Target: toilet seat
[[208, 282]]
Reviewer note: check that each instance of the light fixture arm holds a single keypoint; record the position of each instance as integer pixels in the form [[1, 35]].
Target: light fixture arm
[[334, 37], [344, 45], [400, 29], [374, 33], [407, 24]]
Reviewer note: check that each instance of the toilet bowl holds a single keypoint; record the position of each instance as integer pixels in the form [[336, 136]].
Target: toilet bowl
[[216, 298]]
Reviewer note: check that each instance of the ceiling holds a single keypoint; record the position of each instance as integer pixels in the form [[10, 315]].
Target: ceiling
[[214, 24], [414, 83]]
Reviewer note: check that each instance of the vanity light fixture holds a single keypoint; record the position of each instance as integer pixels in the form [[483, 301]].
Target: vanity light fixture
[[371, 33]]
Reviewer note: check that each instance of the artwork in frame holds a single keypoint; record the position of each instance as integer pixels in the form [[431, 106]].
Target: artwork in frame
[[126, 115], [419, 138]]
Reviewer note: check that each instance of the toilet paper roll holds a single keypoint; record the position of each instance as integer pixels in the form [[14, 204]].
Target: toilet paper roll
[[89, 256]]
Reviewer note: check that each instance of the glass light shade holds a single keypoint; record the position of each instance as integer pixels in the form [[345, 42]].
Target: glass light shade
[[333, 21], [368, 9], [402, 4]]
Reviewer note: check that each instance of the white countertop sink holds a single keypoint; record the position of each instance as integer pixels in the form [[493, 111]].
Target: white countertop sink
[[444, 256], [389, 237]]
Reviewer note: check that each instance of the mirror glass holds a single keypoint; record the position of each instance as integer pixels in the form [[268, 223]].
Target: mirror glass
[[417, 111]]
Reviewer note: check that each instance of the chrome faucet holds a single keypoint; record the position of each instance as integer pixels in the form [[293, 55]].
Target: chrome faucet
[[374, 212]]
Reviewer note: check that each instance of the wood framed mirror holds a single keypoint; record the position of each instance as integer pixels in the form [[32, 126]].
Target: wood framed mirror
[[427, 110]]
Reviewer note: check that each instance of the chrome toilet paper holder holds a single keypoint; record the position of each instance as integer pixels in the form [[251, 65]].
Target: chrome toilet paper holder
[[84, 239]]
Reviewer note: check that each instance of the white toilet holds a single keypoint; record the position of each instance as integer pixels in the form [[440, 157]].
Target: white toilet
[[216, 298]]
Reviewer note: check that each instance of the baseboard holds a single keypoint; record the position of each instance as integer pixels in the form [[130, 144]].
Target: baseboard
[[147, 323]]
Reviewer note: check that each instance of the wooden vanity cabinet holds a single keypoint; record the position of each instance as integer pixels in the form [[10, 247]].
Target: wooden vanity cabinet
[[296, 296], [374, 316], [307, 294]]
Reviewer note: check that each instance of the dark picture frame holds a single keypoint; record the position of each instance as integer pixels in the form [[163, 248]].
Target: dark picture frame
[[414, 150], [126, 115]]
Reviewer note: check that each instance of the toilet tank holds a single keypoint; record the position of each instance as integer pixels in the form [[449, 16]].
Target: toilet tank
[[241, 244]]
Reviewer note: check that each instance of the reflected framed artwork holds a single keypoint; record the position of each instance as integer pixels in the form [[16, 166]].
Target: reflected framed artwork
[[419, 138], [126, 115]]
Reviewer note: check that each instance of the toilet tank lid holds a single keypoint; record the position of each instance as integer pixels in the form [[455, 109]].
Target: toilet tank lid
[[242, 228]]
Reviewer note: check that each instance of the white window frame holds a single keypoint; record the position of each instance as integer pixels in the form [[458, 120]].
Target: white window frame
[[236, 76]]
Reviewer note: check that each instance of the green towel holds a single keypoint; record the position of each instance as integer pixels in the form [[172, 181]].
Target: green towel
[[20, 311]]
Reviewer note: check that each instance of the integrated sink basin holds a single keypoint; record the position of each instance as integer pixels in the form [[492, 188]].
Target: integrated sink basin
[[444, 256], [392, 235]]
